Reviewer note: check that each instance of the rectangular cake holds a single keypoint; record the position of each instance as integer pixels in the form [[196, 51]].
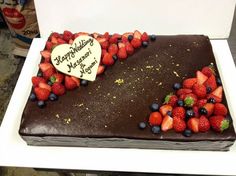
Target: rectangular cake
[[114, 110]]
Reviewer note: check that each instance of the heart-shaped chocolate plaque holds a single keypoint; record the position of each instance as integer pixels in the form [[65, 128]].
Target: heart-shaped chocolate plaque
[[81, 59]]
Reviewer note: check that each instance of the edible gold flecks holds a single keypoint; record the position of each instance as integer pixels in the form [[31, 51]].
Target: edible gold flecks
[[119, 81], [141, 70], [188, 50], [152, 79], [159, 65], [130, 115], [99, 87], [114, 97], [134, 69], [124, 72], [172, 63], [156, 55], [87, 108], [143, 89], [170, 45], [112, 102], [57, 116], [78, 105], [133, 87], [130, 83], [118, 112], [157, 69], [121, 62], [177, 65], [90, 93], [108, 94], [176, 74], [132, 100], [171, 56], [160, 84], [157, 99], [146, 77], [138, 79], [105, 126], [67, 120], [149, 66]]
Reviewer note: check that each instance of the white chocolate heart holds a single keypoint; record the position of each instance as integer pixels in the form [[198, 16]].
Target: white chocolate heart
[[81, 59]]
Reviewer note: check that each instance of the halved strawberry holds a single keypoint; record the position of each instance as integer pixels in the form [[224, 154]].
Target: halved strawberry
[[103, 52], [49, 72], [208, 70], [199, 90], [129, 48], [136, 43], [167, 123], [55, 35], [210, 108], [193, 124], [201, 78], [105, 44], [114, 38], [45, 86], [96, 35], [164, 109], [71, 41], [49, 45], [183, 91], [211, 82], [196, 111], [58, 89], [36, 80], [106, 35], [57, 77], [101, 69], [46, 54], [61, 41], [220, 109], [201, 102], [45, 66], [70, 84], [121, 45], [188, 83], [137, 35], [77, 80], [144, 37], [218, 92], [41, 93], [124, 39], [54, 40], [67, 35], [113, 49], [122, 54], [107, 59]]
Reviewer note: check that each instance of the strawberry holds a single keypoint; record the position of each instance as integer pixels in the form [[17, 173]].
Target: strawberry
[[45, 86], [218, 92], [57, 77], [144, 37], [217, 99], [136, 43], [36, 80], [164, 109], [220, 109], [122, 54], [67, 35], [211, 82], [201, 78], [178, 112], [114, 38], [71, 41], [196, 111], [210, 108], [77, 80], [61, 41], [129, 48], [101, 69], [103, 52], [121, 45], [193, 124], [201, 102], [171, 99], [54, 35], [41, 93], [190, 100], [179, 124], [137, 35], [204, 124], [208, 71], [54, 40], [96, 35], [44, 66], [58, 89], [124, 39], [49, 72], [188, 83], [82, 34], [104, 44], [127, 34], [183, 91], [107, 59], [199, 90], [113, 49], [49, 45], [106, 35], [167, 123], [219, 123], [70, 84], [155, 118]]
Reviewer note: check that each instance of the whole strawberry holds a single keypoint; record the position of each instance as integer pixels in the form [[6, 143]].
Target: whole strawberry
[[179, 112], [171, 99], [188, 83], [204, 124], [58, 89], [220, 109], [199, 90], [179, 124], [190, 100], [208, 70], [219, 123]]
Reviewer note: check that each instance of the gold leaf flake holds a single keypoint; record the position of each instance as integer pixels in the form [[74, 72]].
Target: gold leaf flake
[[188, 50], [149, 66], [177, 65], [176, 74], [160, 84], [119, 81], [57, 116]]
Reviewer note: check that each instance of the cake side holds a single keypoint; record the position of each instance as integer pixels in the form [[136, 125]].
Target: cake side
[[112, 106]]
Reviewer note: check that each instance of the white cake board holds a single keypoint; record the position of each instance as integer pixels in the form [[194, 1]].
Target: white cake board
[[15, 152]]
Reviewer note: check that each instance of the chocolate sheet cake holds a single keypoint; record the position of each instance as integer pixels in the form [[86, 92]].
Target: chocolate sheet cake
[[106, 113]]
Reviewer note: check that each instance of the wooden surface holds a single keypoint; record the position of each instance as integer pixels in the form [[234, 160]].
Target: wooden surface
[[232, 39]]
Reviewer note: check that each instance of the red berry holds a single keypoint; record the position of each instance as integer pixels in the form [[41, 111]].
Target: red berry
[[196, 111], [129, 48], [36, 80], [208, 71], [188, 83], [122, 54], [219, 123], [171, 99], [49, 45], [137, 35], [104, 44], [136, 43], [58, 89], [155, 118], [211, 82], [144, 37], [210, 108], [46, 54], [190, 100], [167, 123], [179, 124], [57, 77], [193, 124], [220, 109], [103, 52], [107, 59], [199, 90], [41, 93], [61, 41], [45, 66], [183, 91], [201, 78], [67, 35], [179, 112], [45, 86], [48, 73], [218, 92], [114, 38], [70, 84], [113, 49], [101, 69], [164, 109], [201, 102], [204, 124]]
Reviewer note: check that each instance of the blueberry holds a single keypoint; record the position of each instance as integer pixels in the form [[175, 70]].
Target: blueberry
[[144, 44], [169, 113], [130, 37], [187, 133], [40, 74], [156, 129], [115, 58], [154, 107], [202, 111], [53, 97], [50, 83], [176, 86], [218, 81], [142, 125], [208, 89], [180, 103], [83, 82], [41, 104], [189, 113], [153, 37], [32, 97], [211, 100]]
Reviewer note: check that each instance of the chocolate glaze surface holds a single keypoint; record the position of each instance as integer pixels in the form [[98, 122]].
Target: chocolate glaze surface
[[110, 108]]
